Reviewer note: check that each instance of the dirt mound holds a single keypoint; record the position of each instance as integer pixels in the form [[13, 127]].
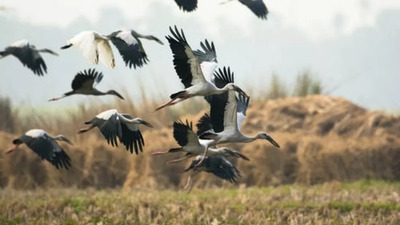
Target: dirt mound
[[322, 115]]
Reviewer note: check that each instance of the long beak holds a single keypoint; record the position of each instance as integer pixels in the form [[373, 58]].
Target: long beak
[[238, 89], [68, 141], [240, 155], [11, 149], [146, 123], [119, 96], [269, 138]]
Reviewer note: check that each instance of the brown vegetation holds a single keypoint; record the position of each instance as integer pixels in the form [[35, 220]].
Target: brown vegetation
[[322, 139]]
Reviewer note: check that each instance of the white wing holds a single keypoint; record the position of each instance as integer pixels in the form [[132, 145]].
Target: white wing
[[105, 53], [85, 42]]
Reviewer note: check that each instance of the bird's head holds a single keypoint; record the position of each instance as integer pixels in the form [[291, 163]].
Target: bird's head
[[263, 135], [112, 92]]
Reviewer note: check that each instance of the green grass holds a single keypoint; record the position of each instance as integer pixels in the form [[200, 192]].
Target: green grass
[[363, 202]]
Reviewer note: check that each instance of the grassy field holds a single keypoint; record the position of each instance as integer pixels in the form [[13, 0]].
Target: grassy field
[[363, 202]]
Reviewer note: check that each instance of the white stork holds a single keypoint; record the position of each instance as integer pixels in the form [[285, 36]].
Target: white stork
[[28, 55], [256, 6], [45, 146], [227, 113], [113, 125], [84, 82], [218, 165], [130, 47], [188, 68], [190, 143], [93, 46]]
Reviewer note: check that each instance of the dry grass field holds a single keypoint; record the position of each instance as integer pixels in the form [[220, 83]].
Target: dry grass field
[[364, 202], [338, 164], [322, 139]]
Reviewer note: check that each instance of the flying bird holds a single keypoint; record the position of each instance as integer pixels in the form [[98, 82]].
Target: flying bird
[[84, 82], [28, 55], [227, 113], [130, 47], [187, 5], [256, 6], [93, 46], [218, 165], [193, 146], [45, 146], [190, 72], [114, 125]]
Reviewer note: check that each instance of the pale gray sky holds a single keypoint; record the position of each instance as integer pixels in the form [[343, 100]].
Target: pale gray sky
[[350, 44]]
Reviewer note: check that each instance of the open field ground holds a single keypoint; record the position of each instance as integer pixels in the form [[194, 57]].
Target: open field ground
[[362, 202]]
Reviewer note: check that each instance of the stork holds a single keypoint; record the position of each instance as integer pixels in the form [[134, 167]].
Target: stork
[[224, 119], [130, 47], [190, 72], [84, 82], [93, 46], [113, 125], [218, 165], [256, 6], [46, 146], [28, 55], [193, 146]]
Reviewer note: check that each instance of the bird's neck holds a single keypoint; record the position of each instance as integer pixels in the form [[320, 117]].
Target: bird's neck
[[247, 139]]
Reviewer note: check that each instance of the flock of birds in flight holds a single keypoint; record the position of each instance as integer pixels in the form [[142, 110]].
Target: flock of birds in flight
[[197, 70]]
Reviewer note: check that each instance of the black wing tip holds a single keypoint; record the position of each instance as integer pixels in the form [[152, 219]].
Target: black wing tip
[[61, 160], [179, 124], [176, 35], [225, 74]]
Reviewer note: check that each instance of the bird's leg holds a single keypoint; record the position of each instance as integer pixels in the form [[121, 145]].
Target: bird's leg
[[202, 158], [55, 99], [159, 153], [178, 160], [83, 130], [172, 102], [164, 105], [12, 148], [188, 183], [177, 100]]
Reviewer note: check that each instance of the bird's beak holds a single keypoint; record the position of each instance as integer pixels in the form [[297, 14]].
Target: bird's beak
[[146, 123], [270, 139], [238, 89], [242, 156], [68, 141], [158, 40], [119, 96]]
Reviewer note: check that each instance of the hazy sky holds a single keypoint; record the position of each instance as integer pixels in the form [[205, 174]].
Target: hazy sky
[[352, 46]]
